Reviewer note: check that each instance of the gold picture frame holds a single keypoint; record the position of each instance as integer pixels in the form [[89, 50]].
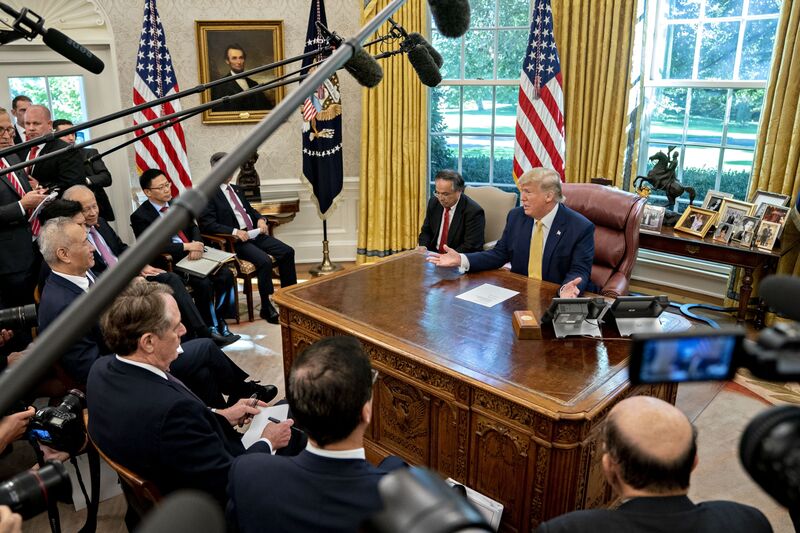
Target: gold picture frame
[[225, 45], [696, 221], [732, 211]]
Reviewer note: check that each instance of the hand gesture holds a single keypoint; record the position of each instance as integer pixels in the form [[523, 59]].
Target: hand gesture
[[151, 271], [9, 522], [278, 434], [13, 427], [570, 290], [33, 198], [450, 258]]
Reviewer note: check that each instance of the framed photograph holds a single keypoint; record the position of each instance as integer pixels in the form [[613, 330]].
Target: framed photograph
[[732, 212], [763, 198], [713, 200], [723, 233], [767, 234], [776, 214], [696, 221], [742, 234], [652, 218], [228, 47]]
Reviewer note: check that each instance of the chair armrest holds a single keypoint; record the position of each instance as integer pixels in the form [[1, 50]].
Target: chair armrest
[[617, 285], [166, 261], [220, 240]]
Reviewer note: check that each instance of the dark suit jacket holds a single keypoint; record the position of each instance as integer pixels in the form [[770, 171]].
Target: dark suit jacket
[[99, 178], [568, 252], [253, 102], [17, 137], [15, 232], [63, 171], [305, 493], [671, 514], [78, 358], [160, 430], [218, 216], [146, 214], [465, 233]]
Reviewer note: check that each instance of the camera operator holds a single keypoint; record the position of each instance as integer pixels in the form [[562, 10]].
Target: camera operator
[[13, 427]]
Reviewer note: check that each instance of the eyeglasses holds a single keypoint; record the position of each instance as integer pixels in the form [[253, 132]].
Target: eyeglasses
[[8, 131], [163, 187], [438, 194]]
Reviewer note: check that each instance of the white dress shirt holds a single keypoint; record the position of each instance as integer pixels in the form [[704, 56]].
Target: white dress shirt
[[80, 281], [358, 453], [239, 219]]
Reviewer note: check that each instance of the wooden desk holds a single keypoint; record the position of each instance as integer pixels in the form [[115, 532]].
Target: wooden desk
[[516, 420], [750, 259]]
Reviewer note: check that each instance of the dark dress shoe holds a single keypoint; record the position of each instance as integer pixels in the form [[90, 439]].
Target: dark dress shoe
[[269, 313], [228, 334], [220, 339], [265, 393]]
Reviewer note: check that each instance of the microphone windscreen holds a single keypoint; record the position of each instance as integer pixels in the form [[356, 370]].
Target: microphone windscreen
[[184, 512], [451, 16], [782, 293], [423, 64], [364, 68], [58, 42], [416, 38]]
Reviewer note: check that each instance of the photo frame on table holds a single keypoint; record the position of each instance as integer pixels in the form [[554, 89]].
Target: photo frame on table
[[767, 234], [696, 221], [743, 234], [225, 46], [652, 218], [777, 215], [713, 199], [763, 198], [722, 233], [733, 211]]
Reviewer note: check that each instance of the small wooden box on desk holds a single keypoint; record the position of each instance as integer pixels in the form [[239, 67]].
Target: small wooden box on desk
[[526, 326]]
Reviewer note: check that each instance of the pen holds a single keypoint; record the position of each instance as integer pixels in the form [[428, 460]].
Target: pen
[[273, 419], [246, 418]]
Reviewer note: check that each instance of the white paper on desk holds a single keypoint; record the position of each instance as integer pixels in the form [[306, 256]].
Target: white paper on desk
[[260, 421], [253, 233], [487, 295]]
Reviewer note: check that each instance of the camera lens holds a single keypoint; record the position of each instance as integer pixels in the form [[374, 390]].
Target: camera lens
[[18, 317], [29, 492]]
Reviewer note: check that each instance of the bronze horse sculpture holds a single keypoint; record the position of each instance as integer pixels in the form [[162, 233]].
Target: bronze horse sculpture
[[662, 177]]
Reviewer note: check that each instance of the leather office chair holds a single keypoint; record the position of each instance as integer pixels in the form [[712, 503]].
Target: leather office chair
[[496, 204], [616, 216]]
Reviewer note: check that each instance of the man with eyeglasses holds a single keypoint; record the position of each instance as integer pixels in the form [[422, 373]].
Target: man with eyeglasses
[[452, 218], [213, 294]]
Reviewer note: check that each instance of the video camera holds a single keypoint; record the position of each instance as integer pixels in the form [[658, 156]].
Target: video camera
[[16, 318], [61, 427]]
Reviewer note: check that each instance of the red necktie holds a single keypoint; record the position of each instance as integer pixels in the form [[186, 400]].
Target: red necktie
[[31, 155], [181, 235], [14, 180], [445, 228], [238, 205]]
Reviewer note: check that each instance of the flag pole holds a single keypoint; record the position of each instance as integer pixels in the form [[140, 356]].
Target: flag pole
[[326, 267]]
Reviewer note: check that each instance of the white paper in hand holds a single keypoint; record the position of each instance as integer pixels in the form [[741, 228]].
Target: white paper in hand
[[260, 421], [253, 233]]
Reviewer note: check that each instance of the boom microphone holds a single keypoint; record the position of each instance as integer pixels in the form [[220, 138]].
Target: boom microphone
[[419, 40], [29, 24], [782, 294], [362, 66], [422, 62], [451, 16]]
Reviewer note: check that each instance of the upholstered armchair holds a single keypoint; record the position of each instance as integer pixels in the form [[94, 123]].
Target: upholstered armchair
[[496, 204]]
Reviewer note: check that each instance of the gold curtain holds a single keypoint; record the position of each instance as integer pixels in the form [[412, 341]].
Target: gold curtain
[[394, 158], [595, 45]]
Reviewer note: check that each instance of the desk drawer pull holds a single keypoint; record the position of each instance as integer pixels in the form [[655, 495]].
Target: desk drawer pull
[[692, 248]]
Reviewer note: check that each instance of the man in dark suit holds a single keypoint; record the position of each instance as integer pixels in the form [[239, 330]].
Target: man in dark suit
[[330, 485], [19, 105], [543, 239], [97, 175], [235, 57], [213, 294], [62, 171], [230, 213], [145, 419], [650, 450], [452, 218]]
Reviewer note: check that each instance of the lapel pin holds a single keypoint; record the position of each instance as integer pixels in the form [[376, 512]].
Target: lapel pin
[[558, 232]]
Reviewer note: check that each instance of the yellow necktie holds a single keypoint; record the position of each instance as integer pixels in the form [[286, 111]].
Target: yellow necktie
[[535, 256]]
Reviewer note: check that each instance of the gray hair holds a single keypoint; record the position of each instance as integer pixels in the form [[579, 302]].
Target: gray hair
[[52, 237], [70, 193], [547, 179]]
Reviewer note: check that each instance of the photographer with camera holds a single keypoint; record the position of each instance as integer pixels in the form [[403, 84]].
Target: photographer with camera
[[650, 450], [13, 427]]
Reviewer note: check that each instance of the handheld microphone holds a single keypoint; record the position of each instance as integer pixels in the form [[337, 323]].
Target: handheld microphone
[[451, 16], [30, 25], [362, 66]]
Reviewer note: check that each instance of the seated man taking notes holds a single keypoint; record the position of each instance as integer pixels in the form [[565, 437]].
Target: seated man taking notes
[[543, 239]]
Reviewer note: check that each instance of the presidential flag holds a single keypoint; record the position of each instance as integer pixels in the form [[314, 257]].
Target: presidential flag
[[540, 140], [322, 124], [154, 78]]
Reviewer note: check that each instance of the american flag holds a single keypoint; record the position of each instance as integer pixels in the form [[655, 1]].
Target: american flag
[[154, 78], [540, 116]]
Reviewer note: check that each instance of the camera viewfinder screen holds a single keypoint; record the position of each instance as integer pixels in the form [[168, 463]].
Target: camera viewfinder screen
[[687, 359]]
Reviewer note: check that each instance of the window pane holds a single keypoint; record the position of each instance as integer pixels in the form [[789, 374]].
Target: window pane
[[503, 160], [679, 51], [666, 121], [35, 88], [724, 8], [505, 109], [745, 115], [511, 46], [718, 50], [475, 159], [736, 167], [700, 169], [482, 15], [444, 153], [451, 53], [445, 116], [683, 9], [66, 93], [706, 116], [479, 55], [764, 7], [759, 37], [514, 12], [477, 114]]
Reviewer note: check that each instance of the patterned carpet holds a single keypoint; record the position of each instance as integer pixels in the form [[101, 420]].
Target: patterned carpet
[[767, 391]]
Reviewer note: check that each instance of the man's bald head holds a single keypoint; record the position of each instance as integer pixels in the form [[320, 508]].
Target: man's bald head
[[38, 122], [653, 444]]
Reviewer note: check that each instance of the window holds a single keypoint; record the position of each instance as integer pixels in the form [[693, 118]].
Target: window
[[63, 95], [473, 111], [705, 89]]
